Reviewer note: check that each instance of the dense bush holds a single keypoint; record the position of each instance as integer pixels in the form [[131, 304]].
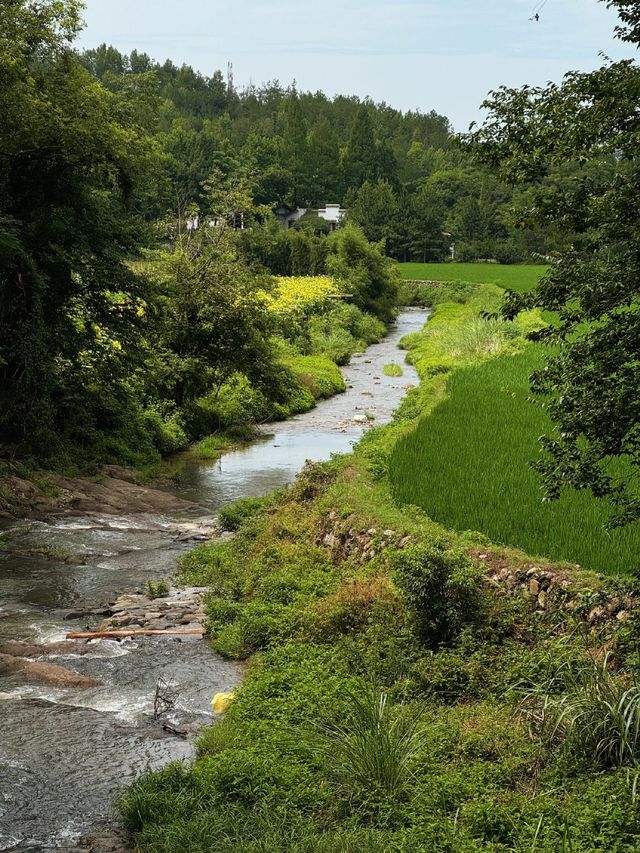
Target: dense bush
[[362, 269], [442, 589]]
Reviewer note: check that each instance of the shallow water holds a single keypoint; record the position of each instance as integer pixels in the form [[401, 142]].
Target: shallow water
[[329, 428], [64, 752]]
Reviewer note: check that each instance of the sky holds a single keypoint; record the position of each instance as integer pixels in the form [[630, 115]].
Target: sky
[[412, 54]]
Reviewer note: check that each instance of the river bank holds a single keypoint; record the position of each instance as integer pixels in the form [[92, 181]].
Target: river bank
[[81, 560], [113, 490], [410, 688]]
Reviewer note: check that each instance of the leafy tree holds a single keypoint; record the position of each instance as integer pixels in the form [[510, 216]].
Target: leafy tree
[[324, 160], [213, 321], [70, 162], [361, 154], [590, 384], [363, 270], [424, 224], [294, 149], [374, 207]]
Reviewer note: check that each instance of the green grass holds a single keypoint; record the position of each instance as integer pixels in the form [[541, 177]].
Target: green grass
[[468, 465], [392, 369], [513, 277], [317, 374], [213, 446]]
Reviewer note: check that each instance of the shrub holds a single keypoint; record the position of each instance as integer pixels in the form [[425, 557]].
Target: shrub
[[362, 269], [336, 344], [442, 590], [167, 430]]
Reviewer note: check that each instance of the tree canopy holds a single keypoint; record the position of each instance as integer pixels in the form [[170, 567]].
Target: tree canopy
[[576, 145], [72, 161]]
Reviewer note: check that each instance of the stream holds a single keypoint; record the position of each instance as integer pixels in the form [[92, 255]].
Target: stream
[[64, 752]]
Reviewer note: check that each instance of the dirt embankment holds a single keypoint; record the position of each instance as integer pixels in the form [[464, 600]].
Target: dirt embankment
[[112, 490]]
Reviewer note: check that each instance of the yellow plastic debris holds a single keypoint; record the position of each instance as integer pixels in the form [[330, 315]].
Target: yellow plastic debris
[[221, 702]]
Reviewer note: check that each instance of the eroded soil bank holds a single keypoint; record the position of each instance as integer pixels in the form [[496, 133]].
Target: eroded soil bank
[[112, 490]]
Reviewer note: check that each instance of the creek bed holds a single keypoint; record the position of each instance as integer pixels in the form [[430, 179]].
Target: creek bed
[[64, 752]]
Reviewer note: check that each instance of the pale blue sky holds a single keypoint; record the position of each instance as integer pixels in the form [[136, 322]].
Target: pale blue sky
[[413, 54]]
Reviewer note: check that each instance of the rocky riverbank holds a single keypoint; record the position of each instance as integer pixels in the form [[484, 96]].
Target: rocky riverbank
[[112, 489]]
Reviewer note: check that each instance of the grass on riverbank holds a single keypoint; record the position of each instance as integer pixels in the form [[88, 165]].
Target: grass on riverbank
[[511, 276], [393, 699], [313, 336]]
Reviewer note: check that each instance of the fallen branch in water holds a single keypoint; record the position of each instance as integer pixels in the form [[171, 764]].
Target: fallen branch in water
[[165, 698], [138, 632], [172, 731]]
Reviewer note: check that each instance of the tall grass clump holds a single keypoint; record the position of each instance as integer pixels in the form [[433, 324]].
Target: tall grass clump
[[468, 465], [596, 717], [374, 750], [392, 369]]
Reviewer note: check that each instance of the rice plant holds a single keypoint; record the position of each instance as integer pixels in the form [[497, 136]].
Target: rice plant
[[374, 749], [468, 465], [512, 276]]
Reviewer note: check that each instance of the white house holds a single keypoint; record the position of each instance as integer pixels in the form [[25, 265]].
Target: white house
[[332, 214]]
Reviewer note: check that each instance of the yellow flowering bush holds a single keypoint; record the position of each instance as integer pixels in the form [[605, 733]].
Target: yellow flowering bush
[[299, 292]]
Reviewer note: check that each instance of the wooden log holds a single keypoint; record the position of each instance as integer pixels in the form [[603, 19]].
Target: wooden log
[[138, 632]]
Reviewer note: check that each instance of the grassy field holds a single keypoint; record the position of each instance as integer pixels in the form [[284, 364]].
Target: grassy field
[[514, 277], [468, 465]]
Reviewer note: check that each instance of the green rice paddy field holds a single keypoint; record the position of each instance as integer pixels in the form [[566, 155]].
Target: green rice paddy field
[[468, 465], [514, 277]]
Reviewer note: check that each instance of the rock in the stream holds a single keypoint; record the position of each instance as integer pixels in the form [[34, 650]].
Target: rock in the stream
[[46, 673], [67, 615], [113, 491], [17, 648], [104, 841], [180, 607]]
